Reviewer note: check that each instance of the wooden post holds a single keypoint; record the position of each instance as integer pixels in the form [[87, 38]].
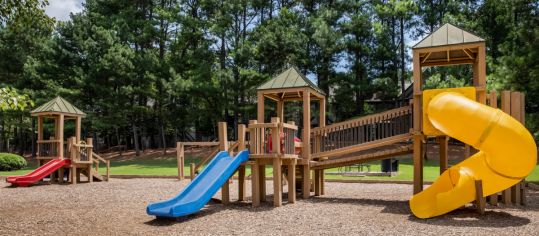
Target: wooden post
[[78, 122], [292, 182], [418, 163], [277, 187], [480, 201], [506, 107], [443, 142], [255, 183], [108, 170], [417, 114], [262, 181], [280, 109], [306, 185], [277, 163], [180, 159], [322, 122], [89, 170], [61, 136], [515, 194], [241, 170], [316, 183], [260, 107], [480, 74], [306, 137], [493, 102], [192, 171], [223, 146]]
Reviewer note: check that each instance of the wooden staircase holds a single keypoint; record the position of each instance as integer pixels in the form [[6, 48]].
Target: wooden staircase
[[373, 137]]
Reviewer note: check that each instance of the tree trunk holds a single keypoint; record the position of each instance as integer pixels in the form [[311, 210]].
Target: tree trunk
[[402, 64], [163, 141], [135, 140]]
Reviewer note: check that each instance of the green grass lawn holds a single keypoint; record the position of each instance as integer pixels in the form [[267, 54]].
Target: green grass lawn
[[166, 166]]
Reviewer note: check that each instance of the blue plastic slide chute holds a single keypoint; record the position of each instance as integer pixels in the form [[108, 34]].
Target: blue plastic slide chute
[[202, 188]]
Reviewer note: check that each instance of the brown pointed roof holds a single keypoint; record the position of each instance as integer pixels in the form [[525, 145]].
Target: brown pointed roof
[[290, 78], [448, 34], [58, 105]]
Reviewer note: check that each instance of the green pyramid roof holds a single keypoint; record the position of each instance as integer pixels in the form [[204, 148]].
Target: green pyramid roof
[[58, 105], [448, 34], [290, 78]]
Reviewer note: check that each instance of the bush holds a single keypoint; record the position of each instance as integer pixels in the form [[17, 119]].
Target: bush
[[10, 162]]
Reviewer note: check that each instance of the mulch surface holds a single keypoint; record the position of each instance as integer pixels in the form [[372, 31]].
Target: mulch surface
[[118, 207]]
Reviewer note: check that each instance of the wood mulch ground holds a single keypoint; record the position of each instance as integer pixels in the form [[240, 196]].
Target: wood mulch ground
[[118, 207]]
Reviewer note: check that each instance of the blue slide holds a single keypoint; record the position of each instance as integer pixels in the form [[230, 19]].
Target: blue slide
[[202, 188]]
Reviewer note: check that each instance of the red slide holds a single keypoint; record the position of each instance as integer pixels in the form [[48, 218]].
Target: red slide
[[39, 173]]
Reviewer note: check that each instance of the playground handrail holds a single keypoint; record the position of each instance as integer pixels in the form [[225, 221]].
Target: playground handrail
[[377, 127]]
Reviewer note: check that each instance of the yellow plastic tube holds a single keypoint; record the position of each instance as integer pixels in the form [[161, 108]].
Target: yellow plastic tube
[[507, 154]]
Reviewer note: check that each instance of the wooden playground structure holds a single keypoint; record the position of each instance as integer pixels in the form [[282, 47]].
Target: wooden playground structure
[[83, 160], [378, 136]]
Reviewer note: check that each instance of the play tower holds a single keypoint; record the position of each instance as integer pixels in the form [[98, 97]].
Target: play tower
[[55, 154]]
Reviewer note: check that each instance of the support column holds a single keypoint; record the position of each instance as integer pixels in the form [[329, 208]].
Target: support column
[[317, 183], [322, 122], [277, 187], [306, 139], [262, 181], [280, 110], [255, 183], [241, 170], [306, 185], [78, 122], [443, 143], [292, 182], [260, 107], [180, 159], [223, 146], [418, 163], [60, 136]]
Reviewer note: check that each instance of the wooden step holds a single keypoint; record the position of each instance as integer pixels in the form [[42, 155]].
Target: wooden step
[[97, 177]]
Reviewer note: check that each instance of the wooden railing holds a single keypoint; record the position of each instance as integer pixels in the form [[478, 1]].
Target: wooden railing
[[377, 127], [81, 152], [97, 159], [48, 148], [281, 145]]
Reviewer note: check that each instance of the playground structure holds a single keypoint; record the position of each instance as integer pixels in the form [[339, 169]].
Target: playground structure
[[55, 155], [396, 132]]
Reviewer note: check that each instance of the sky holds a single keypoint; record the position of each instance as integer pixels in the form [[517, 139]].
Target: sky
[[60, 9]]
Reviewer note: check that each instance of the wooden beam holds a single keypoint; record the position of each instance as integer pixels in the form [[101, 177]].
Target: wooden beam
[[255, 183], [277, 183], [418, 163], [180, 159], [468, 54], [452, 47], [78, 125], [306, 185], [223, 146], [292, 182], [260, 108], [480, 200], [60, 136], [443, 142], [426, 57], [306, 137]]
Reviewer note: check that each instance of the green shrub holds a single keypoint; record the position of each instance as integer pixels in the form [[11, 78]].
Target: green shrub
[[10, 161]]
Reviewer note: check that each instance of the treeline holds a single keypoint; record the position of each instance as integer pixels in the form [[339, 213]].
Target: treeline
[[151, 72]]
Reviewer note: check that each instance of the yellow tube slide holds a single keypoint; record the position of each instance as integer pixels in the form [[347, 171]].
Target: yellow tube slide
[[507, 154]]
